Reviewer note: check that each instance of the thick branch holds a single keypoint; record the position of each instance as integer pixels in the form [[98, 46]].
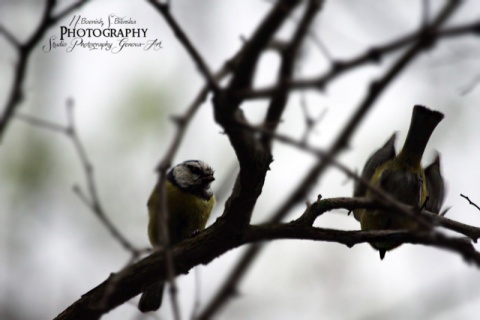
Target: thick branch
[[350, 238], [213, 242], [254, 159], [322, 206]]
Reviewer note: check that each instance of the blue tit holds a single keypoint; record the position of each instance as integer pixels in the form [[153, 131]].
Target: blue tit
[[403, 177], [189, 203]]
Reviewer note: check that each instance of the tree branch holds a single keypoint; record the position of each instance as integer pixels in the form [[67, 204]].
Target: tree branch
[[24, 50], [289, 56], [164, 9], [372, 55], [254, 159], [350, 238], [298, 194], [212, 243]]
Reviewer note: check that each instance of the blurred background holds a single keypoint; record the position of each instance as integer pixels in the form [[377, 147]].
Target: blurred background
[[53, 248]]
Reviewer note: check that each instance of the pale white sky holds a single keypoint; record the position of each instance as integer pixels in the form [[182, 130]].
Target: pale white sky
[[53, 249]]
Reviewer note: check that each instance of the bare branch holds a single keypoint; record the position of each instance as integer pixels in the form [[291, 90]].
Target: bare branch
[[350, 238], [310, 121], [372, 55], [164, 9], [212, 243], [253, 157], [289, 60], [301, 190], [91, 200], [10, 37], [24, 50], [425, 13], [470, 202], [322, 206]]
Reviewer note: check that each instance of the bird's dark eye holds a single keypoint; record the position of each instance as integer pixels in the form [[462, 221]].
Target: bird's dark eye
[[195, 170]]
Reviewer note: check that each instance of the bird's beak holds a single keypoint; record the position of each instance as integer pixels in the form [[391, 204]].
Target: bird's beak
[[209, 178]]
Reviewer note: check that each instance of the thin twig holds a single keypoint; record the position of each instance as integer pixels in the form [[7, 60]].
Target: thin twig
[[290, 57], [425, 13], [91, 200], [24, 51], [37, 122], [164, 9], [310, 121], [470, 202], [196, 304], [10, 37], [94, 199], [372, 55], [315, 38]]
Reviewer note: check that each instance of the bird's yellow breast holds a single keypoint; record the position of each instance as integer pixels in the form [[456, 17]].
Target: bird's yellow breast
[[406, 184], [187, 213]]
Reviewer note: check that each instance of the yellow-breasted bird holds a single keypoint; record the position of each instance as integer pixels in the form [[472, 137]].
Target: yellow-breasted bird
[[189, 203], [403, 177]]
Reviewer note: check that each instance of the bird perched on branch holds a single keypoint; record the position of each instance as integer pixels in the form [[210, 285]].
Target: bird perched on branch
[[189, 203], [403, 177]]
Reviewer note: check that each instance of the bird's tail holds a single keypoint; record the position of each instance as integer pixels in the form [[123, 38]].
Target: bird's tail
[[151, 298], [423, 122]]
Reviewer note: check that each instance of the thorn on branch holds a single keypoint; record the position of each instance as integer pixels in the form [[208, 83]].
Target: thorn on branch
[[349, 244], [382, 253], [270, 162], [444, 212]]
